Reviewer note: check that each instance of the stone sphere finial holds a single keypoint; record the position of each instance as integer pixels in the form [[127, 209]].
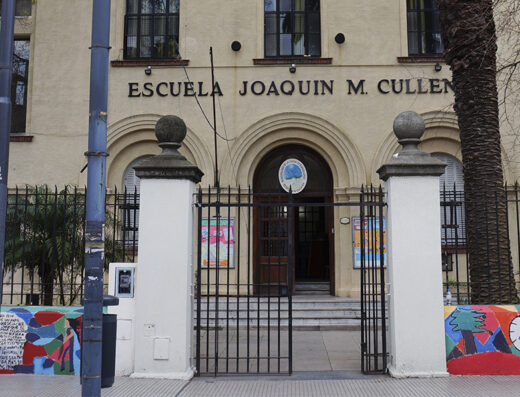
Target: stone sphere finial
[[409, 128], [170, 131]]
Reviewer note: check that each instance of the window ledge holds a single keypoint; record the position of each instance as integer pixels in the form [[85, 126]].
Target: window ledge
[[149, 62], [421, 59], [20, 137], [291, 60]]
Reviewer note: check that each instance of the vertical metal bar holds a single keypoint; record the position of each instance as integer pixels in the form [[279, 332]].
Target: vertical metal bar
[[208, 280], [43, 259], [24, 239], [217, 277], [373, 281], [363, 277], [13, 233], [114, 225], [33, 243], [82, 257], [509, 259], [259, 252], [135, 224], [227, 276], [271, 249], [456, 242], [74, 236], [54, 254], [498, 241], [517, 210], [199, 276], [282, 218], [62, 262], [444, 228], [6, 60], [237, 238], [381, 205], [249, 275], [487, 252], [217, 182], [290, 265], [96, 182]]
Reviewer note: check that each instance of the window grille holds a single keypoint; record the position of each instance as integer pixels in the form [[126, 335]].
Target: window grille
[[424, 32], [19, 85], [22, 8], [292, 28], [152, 29]]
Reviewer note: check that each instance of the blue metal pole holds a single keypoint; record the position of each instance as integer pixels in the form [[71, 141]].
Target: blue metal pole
[[96, 184], [6, 60]]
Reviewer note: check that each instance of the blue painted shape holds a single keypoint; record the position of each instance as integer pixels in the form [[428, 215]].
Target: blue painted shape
[[48, 363], [24, 369], [34, 324], [24, 314], [292, 171], [41, 367], [77, 356], [49, 331], [455, 336], [32, 337], [42, 341]]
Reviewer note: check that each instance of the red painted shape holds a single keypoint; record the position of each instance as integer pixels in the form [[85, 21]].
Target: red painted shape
[[504, 318], [47, 317], [6, 371], [460, 346], [30, 351], [489, 363]]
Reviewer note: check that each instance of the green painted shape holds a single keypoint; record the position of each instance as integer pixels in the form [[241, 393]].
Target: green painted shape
[[468, 320], [60, 326], [52, 346], [514, 350], [449, 345]]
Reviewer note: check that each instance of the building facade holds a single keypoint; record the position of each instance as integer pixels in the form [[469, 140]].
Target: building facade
[[318, 81]]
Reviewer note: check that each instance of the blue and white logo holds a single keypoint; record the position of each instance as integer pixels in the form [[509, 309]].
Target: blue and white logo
[[292, 175]]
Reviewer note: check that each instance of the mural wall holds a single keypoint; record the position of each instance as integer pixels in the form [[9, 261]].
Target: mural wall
[[482, 340], [40, 340]]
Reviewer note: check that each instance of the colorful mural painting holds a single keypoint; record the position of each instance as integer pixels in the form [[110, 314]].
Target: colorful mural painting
[[482, 340], [40, 340]]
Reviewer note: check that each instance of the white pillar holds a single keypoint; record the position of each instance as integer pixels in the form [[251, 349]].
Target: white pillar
[[163, 281], [417, 344]]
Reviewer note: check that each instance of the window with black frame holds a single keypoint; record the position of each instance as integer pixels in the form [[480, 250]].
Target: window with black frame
[[19, 84], [152, 29], [22, 8], [292, 28], [424, 32]]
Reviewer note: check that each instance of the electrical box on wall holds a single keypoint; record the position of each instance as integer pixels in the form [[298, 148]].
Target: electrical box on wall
[[124, 282]]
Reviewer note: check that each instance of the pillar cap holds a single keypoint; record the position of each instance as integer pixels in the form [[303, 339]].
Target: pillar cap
[[170, 164], [410, 161]]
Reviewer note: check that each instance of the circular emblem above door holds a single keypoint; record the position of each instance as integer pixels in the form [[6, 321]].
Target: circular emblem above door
[[292, 175]]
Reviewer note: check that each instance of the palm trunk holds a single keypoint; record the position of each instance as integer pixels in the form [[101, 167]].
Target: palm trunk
[[469, 37]]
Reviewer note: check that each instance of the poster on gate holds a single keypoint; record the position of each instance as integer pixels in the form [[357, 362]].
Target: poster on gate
[[218, 240], [372, 242]]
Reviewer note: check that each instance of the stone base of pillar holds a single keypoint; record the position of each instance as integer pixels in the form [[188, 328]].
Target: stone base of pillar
[[188, 375], [395, 373]]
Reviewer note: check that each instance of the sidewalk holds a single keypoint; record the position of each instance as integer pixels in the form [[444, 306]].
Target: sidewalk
[[322, 384]]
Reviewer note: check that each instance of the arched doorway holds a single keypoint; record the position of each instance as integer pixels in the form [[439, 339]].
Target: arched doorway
[[312, 245]]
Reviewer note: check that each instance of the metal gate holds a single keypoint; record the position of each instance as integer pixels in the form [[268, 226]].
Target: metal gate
[[243, 312], [373, 287], [244, 320]]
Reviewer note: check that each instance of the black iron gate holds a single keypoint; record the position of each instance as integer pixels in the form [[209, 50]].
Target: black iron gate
[[373, 287], [243, 309], [243, 314]]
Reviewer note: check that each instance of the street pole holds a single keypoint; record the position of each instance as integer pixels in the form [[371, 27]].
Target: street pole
[[6, 60], [96, 184]]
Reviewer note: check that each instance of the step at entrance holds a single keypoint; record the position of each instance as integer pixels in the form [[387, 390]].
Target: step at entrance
[[312, 288]]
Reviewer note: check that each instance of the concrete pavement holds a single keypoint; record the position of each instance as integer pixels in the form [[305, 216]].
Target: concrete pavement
[[341, 383]]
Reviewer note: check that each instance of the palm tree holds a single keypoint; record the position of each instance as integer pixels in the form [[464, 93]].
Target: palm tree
[[44, 236], [469, 36]]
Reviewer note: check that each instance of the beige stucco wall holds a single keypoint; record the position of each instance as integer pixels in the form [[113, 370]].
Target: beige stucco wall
[[353, 132]]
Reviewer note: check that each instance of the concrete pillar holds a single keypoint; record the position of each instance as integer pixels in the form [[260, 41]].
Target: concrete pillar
[[163, 293], [417, 346]]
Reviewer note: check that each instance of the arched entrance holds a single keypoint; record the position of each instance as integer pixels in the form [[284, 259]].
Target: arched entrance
[[312, 245]]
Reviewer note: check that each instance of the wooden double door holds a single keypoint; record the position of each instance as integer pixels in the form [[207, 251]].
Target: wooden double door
[[292, 242]]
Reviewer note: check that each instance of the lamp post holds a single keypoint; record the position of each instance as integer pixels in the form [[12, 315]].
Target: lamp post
[[96, 191]]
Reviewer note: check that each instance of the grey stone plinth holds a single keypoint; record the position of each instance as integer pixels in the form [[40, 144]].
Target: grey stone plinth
[[170, 164], [410, 161]]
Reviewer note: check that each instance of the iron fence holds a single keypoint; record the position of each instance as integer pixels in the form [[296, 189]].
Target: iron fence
[[459, 288], [45, 240]]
